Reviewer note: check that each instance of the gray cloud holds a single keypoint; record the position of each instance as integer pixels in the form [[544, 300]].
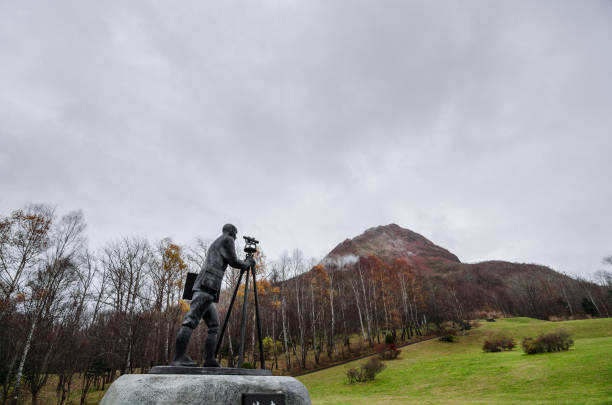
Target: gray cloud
[[485, 126]]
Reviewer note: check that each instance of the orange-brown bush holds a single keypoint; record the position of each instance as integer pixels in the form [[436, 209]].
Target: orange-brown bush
[[447, 335], [366, 372], [498, 343], [549, 342], [389, 353]]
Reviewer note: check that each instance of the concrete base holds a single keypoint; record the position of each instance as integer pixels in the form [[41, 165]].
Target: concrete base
[[184, 389]]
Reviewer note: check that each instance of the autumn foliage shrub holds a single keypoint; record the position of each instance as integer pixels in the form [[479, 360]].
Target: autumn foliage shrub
[[447, 335], [366, 372], [508, 343], [491, 346], [549, 342], [498, 343], [390, 352]]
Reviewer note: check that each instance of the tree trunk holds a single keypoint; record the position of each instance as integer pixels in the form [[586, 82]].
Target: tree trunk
[[366, 306], [332, 341], [274, 338], [569, 304], [375, 313], [230, 354], [6, 386], [314, 325], [345, 331], [359, 311], [253, 339], [387, 323], [284, 321], [128, 360], [24, 356], [87, 379]]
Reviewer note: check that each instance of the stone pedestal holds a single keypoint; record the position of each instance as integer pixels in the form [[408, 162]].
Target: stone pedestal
[[201, 386]]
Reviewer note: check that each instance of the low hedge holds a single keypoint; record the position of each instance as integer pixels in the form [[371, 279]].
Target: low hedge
[[498, 343], [548, 342], [366, 372]]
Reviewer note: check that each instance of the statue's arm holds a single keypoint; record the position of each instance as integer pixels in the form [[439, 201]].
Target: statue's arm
[[229, 254]]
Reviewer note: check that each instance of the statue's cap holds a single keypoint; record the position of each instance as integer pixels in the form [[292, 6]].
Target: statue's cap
[[229, 228]]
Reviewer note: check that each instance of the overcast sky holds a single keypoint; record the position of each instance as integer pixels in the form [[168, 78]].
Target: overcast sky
[[486, 126]]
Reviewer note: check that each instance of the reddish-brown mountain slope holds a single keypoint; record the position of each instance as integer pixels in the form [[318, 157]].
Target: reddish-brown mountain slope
[[392, 242], [512, 288]]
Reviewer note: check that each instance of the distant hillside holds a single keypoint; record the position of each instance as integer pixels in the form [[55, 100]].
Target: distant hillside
[[517, 288], [391, 242]]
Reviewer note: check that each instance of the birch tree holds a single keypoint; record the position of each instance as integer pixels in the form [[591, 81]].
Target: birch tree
[[49, 284]]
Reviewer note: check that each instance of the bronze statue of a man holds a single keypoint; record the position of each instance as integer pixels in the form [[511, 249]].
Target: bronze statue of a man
[[206, 290]]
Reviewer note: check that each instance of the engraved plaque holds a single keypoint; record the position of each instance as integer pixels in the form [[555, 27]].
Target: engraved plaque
[[263, 398]]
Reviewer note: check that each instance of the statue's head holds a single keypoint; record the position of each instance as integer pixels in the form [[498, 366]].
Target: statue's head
[[229, 229]]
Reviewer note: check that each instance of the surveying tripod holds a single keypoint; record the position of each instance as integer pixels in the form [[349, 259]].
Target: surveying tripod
[[250, 248]]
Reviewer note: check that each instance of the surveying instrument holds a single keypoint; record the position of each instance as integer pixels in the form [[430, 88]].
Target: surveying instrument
[[250, 248]]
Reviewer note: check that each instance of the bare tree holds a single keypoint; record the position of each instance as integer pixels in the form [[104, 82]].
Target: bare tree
[[283, 269], [126, 262], [23, 238], [73, 323], [297, 268], [48, 288]]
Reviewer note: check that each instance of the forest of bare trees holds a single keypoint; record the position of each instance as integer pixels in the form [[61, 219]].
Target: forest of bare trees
[[68, 312]]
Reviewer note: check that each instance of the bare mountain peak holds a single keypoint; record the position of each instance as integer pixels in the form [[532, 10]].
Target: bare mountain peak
[[391, 242]]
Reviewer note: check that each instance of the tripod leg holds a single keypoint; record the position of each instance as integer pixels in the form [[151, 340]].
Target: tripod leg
[[227, 316], [261, 351], [244, 320]]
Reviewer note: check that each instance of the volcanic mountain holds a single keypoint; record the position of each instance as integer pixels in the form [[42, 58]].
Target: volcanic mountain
[[391, 242], [517, 288]]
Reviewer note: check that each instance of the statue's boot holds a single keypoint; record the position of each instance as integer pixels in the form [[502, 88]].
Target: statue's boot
[[180, 356], [210, 344]]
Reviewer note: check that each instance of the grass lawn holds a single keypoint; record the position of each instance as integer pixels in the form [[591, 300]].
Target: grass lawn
[[434, 372]]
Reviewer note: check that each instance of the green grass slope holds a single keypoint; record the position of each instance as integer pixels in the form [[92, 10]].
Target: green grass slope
[[434, 372]]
